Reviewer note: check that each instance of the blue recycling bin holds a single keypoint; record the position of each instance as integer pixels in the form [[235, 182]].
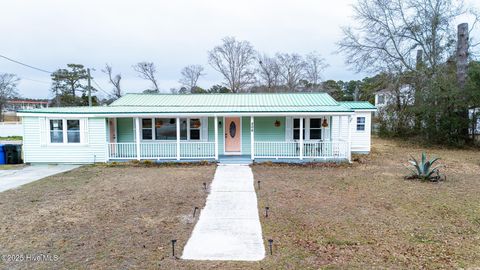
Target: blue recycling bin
[[2, 155]]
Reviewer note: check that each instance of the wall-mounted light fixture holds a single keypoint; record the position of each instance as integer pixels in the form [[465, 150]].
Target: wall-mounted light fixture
[[277, 123]]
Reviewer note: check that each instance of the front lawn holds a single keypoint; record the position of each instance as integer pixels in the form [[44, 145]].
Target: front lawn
[[101, 217], [366, 216], [363, 215]]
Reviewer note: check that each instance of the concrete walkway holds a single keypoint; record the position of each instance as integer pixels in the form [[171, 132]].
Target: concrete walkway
[[14, 178], [229, 226]]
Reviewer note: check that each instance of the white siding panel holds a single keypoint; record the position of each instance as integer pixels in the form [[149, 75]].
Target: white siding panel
[[339, 128], [361, 140], [36, 152]]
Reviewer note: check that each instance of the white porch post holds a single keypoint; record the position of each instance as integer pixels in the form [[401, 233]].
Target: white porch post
[[137, 136], [349, 154], [178, 138], [252, 137], [215, 123], [301, 138]]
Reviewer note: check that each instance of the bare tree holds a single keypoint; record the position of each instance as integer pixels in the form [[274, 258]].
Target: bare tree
[[8, 89], [233, 60], [114, 80], [268, 72], [190, 76], [390, 33], [147, 71], [314, 67], [292, 68]]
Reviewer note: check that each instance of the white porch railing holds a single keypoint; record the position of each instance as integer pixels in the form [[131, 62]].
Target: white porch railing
[[326, 150], [329, 150], [276, 149], [122, 150], [162, 150], [197, 150]]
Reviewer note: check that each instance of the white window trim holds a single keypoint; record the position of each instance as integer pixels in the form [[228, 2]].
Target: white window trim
[[307, 129], [153, 139], [364, 124], [65, 132]]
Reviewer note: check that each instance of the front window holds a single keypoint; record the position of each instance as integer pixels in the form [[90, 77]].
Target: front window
[[56, 131], [195, 129], [360, 123], [296, 129], [147, 129], [65, 131], [315, 128], [73, 131], [166, 129]]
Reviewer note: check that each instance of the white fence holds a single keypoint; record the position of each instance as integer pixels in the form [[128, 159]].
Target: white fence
[[311, 150], [162, 150], [11, 129], [330, 150]]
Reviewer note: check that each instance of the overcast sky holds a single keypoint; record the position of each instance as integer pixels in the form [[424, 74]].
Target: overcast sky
[[49, 34]]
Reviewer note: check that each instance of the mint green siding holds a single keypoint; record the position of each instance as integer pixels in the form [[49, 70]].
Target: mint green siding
[[265, 129], [246, 135], [37, 148], [125, 130], [211, 133]]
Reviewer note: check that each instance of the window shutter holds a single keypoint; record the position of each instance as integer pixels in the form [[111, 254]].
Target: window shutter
[[42, 123], [84, 130], [204, 128], [289, 128]]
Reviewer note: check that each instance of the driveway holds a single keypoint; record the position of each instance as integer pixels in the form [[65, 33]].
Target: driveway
[[14, 178], [229, 226]]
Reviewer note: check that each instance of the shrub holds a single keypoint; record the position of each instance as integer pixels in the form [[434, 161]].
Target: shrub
[[424, 169], [148, 163]]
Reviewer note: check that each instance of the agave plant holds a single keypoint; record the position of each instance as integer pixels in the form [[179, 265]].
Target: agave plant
[[424, 169]]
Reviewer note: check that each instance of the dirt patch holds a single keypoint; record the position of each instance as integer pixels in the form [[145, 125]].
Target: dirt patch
[[365, 215], [103, 217]]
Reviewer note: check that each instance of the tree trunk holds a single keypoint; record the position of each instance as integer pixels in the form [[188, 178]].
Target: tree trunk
[[462, 64]]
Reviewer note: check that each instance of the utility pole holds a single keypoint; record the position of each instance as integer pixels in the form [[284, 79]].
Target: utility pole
[[89, 89]]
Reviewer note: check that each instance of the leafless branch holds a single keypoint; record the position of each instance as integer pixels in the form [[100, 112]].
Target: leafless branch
[[147, 71], [114, 80]]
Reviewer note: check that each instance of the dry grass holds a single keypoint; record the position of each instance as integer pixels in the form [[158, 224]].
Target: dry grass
[[103, 217], [363, 215], [366, 215]]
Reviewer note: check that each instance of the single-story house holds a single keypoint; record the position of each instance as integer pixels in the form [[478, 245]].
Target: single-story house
[[274, 126]]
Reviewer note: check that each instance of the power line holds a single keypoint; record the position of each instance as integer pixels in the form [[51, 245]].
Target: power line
[[100, 88], [28, 79], [46, 71], [26, 65]]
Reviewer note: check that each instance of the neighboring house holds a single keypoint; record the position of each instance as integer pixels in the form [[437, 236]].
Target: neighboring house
[[387, 97], [289, 127], [25, 104], [474, 114]]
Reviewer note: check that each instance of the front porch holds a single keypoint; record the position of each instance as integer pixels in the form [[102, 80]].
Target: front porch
[[227, 138]]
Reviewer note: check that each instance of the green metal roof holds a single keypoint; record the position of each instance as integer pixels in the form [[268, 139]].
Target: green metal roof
[[209, 103], [228, 100], [358, 105]]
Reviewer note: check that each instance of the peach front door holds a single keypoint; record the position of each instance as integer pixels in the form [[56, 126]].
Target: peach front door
[[232, 134]]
